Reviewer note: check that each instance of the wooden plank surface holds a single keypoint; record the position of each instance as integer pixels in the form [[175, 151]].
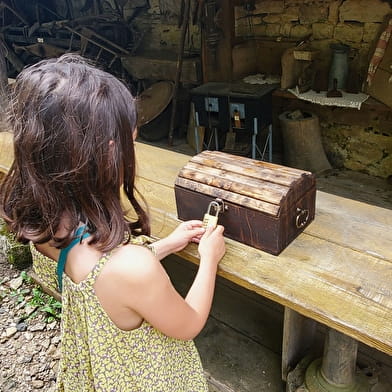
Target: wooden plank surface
[[338, 272], [6, 151]]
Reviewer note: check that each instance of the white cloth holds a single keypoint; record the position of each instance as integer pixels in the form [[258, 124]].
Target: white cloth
[[261, 79], [347, 100]]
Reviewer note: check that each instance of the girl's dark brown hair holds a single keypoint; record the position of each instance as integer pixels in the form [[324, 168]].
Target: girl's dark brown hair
[[73, 145]]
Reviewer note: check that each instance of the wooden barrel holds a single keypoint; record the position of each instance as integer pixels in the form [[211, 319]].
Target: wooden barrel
[[303, 148], [154, 110]]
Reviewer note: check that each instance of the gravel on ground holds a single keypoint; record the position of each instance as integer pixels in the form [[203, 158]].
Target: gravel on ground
[[29, 336]]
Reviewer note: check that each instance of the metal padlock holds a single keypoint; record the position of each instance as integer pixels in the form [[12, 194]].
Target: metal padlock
[[209, 219]]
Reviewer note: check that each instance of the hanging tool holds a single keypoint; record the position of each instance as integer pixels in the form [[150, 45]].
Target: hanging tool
[[184, 28]]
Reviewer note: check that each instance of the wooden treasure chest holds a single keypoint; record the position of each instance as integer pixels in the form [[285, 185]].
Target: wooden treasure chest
[[260, 204]]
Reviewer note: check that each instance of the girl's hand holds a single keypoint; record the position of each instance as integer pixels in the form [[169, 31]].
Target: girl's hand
[[212, 245], [186, 232]]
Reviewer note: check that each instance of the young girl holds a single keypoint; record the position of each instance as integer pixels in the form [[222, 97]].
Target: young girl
[[124, 326]]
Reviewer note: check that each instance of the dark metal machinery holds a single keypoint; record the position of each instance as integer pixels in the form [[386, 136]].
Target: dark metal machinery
[[238, 107]]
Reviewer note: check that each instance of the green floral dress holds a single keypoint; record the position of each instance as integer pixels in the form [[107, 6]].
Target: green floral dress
[[98, 356]]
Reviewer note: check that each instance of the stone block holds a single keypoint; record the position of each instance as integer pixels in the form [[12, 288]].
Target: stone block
[[322, 30], [355, 165], [299, 2], [385, 126], [312, 13], [333, 13], [362, 59], [290, 14], [154, 7], [370, 32], [270, 7], [358, 148], [285, 29], [384, 169], [382, 141], [255, 20], [348, 32], [258, 30], [273, 18], [273, 30], [364, 10], [364, 152], [300, 31]]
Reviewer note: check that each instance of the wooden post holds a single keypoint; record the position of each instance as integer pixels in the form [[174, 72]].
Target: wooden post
[[3, 85], [298, 338], [340, 357], [184, 29], [217, 42], [336, 371]]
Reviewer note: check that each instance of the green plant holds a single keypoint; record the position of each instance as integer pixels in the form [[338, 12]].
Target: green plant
[[46, 304], [35, 298], [26, 278], [3, 229], [19, 294]]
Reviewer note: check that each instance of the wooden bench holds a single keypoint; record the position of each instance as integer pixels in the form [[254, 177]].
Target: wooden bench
[[338, 272]]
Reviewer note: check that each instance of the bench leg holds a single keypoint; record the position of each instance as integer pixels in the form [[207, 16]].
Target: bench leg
[[298, 337], [336, 371]]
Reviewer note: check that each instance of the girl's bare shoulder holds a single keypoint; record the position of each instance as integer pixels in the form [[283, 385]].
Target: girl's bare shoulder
[[134, 262]]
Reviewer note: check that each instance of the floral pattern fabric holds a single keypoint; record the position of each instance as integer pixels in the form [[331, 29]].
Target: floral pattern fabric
[[45, 268], [97, 356]]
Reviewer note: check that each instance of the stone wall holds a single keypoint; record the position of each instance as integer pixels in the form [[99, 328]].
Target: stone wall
[[356, 140], [159, 25], [359, 148], [359, 140], [321, 22]]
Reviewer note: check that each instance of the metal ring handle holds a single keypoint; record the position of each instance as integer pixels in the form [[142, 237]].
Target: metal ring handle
[[302, 218]]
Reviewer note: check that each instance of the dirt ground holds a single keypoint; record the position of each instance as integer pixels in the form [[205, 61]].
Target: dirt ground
[[29, 344]]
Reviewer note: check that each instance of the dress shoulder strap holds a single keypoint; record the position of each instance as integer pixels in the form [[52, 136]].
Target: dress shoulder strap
[[98, 267], [79, 236]]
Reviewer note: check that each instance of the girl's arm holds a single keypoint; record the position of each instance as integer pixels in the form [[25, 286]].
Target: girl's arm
[[190, 231], [140, 281]]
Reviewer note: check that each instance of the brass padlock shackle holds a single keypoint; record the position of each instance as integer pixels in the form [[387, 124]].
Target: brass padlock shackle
[[217, 206]]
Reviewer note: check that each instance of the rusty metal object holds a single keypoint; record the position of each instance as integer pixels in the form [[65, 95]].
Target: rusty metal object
[[154, 111], [184, 28], [4, 6], [38, 31], [211, 29]]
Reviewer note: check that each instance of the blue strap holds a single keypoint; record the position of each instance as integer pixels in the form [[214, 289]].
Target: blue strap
[[64, 253]]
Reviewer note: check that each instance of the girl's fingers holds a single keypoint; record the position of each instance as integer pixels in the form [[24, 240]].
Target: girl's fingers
[[194, 224]]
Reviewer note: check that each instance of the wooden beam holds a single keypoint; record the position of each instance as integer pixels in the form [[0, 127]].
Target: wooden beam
[[217, 61]]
